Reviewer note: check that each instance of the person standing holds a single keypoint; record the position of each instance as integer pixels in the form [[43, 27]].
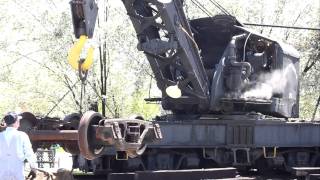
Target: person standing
[[15, 148]]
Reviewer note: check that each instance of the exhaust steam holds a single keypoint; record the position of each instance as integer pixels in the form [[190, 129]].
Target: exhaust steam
[[268, 84]]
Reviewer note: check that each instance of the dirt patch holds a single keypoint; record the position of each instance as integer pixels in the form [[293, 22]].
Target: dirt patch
[[60, 174]]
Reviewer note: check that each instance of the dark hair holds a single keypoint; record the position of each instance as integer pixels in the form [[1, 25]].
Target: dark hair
[[10, 118]]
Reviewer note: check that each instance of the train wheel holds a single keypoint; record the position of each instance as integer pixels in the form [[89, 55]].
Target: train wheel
[[263, 166], [87, 142], [72, 121], [28, 121], [71, 147]]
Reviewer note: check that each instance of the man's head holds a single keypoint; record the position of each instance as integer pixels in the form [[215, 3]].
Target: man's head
[[12, 119]]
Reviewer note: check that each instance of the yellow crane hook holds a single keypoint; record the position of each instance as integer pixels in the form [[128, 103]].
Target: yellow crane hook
[[74, 55]]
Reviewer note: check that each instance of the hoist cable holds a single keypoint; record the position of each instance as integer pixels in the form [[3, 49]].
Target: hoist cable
[[280, 26], [201, 7], [82, 93], [208, 13], [56, 104], [215, 3]]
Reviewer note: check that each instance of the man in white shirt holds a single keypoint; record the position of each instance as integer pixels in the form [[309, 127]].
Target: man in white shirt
[[15, 148]]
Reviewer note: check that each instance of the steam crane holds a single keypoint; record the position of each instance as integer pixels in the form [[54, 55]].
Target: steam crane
[[215, 80], [231, 92], [219, 78]]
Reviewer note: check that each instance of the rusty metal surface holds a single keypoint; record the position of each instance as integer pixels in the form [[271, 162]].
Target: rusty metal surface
[[128, 135], [53, 135], [87, 140]]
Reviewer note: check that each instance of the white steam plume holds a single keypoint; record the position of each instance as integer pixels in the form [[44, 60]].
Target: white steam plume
[[271, 83]]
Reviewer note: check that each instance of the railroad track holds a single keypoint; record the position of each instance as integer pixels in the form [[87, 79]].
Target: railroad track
[[198, 174], [89, 177]]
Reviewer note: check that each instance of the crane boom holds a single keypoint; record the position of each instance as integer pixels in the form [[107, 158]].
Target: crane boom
[[165, 37]]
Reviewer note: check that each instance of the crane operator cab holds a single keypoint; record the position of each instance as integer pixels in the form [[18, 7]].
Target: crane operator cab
[[247, 71]]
